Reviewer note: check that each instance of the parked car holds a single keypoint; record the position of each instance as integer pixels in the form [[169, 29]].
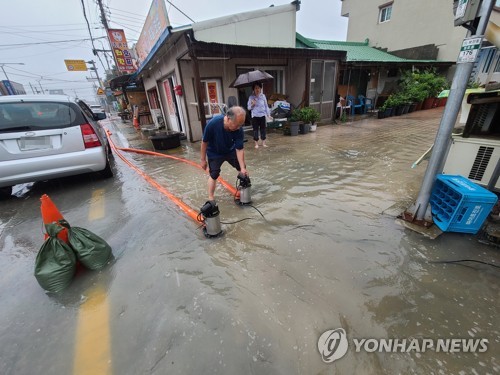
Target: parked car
[[49, 136], [96, 108]]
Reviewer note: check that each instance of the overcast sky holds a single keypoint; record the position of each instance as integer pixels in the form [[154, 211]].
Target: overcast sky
[[27, 26]]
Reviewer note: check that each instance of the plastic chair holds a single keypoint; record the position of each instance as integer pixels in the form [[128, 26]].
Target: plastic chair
[[354, 105], [368, 104]]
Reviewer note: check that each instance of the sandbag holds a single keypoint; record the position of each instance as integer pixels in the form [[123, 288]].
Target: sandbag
[[90, 249], [55, 262]]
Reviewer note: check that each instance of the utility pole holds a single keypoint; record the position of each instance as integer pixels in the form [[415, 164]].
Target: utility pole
[[2, 64], [104, 21], [92, 62], [40, 83], [419, 212], [33, 91]]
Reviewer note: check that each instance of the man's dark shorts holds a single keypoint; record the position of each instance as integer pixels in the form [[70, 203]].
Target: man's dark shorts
[[215, 164]]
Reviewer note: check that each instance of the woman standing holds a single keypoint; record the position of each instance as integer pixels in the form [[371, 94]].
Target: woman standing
[[257, 105]]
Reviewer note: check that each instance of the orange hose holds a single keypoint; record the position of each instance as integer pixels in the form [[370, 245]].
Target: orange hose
[[223, 182], [183, 206]]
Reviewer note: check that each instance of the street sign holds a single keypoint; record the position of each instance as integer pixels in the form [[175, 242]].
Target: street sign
[[76, 65], [100, 91], [469, 50]]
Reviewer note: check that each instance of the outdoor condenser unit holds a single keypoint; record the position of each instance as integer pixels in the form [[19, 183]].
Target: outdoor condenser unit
[[476, 153]]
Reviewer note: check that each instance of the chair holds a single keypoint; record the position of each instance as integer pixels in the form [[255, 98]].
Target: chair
[[369, 104], [343, 106], [354, 105]]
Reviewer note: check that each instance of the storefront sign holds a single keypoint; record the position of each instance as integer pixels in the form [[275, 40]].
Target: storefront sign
[[121, 52], [156, 23]]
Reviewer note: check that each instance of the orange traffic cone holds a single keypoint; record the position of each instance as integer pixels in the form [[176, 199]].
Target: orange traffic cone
[[51, 214]]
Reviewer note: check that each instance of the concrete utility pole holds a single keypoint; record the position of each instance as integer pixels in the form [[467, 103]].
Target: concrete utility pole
[[104, 21], [2, 64], [420, 212], [92, 62]]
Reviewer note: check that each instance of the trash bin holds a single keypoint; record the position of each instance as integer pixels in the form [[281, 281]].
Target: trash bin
[[166, 140]]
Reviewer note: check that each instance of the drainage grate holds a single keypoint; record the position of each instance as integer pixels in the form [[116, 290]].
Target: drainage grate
[[483, 157]]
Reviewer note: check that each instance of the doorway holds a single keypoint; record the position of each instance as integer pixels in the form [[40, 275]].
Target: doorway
[[322, 94], [173, 104]]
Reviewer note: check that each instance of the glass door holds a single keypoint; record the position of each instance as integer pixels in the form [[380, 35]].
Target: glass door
[[322, 95]]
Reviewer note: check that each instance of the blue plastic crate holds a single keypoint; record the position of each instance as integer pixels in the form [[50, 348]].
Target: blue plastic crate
[[459, 205]]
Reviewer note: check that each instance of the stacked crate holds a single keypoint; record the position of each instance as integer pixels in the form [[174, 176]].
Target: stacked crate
[[459, 205]]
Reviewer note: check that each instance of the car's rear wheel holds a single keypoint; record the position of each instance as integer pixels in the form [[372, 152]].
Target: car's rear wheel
[[5, 192], [108, 171]]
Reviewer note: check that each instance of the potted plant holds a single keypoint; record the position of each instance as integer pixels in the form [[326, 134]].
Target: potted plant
[[310, 116], [292, 127]]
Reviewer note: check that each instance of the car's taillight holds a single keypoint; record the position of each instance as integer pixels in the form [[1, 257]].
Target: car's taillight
[[90, 138]]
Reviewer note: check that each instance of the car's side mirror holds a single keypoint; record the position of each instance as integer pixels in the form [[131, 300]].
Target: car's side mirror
[[99, 116]]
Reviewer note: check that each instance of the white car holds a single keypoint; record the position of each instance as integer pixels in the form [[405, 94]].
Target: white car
[[96, 108], [49, 136]]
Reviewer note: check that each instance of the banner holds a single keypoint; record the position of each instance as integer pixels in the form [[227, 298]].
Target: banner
[[120, 50], [156, 23]]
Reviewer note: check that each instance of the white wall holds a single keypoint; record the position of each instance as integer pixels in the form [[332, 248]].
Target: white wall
[[269, 27]]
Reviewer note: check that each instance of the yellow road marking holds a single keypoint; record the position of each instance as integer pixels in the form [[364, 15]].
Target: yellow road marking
[[96, 210], [92, 350]]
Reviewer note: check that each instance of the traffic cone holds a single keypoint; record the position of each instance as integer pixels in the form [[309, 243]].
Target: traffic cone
[[51, 214], [136, 122]]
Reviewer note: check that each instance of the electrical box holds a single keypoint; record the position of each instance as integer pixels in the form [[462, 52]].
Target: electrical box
[[465, 10]]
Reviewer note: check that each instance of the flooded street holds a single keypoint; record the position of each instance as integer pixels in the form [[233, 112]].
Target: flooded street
[[326, 253]]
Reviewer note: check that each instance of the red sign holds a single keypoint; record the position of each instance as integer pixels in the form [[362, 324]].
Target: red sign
[[120, 49]]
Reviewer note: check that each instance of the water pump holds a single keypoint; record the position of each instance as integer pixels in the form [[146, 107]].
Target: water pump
[[243, 186], [210, 216]]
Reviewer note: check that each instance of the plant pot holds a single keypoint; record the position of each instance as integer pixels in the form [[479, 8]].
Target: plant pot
[[442, 102], [313, 127], [399, 110], [419, 106], [304, 128], [428, 103], [293, 128], [413, 107], [380, 114], [406, 108], [388, 112], [166, 140]]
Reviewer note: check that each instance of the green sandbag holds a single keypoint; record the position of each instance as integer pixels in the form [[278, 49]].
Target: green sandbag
[[55, 263], [90, 249]]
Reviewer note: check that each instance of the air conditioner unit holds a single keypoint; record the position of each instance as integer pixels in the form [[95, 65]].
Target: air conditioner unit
[[474, 158], [475, 154]]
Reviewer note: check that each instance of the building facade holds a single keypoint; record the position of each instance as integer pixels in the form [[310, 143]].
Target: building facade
[[421, 29]]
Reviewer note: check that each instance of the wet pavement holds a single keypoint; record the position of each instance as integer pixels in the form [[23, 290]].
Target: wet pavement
[[327, 253]]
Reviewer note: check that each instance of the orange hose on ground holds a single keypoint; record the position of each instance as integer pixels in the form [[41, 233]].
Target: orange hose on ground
[[223, 182], [51, 214], [183, 206]]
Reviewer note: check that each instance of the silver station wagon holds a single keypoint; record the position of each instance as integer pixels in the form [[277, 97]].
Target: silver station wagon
[[49, 136]]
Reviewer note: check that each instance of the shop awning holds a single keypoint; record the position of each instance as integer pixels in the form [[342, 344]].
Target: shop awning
[[122, 81]]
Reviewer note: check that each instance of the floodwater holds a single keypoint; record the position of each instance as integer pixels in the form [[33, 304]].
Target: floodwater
[[323, 251]]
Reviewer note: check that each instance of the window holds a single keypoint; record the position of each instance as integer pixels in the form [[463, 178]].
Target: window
[[385, 13]]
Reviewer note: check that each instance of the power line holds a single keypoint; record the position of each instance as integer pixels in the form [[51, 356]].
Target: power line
[[52, 42], [92, 41], [184, 14]]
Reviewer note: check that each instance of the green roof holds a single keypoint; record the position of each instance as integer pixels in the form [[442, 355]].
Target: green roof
[[356, 51]]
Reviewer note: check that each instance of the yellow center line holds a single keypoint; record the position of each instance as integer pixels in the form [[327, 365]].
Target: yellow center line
[[92, 349], [96, 210]]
